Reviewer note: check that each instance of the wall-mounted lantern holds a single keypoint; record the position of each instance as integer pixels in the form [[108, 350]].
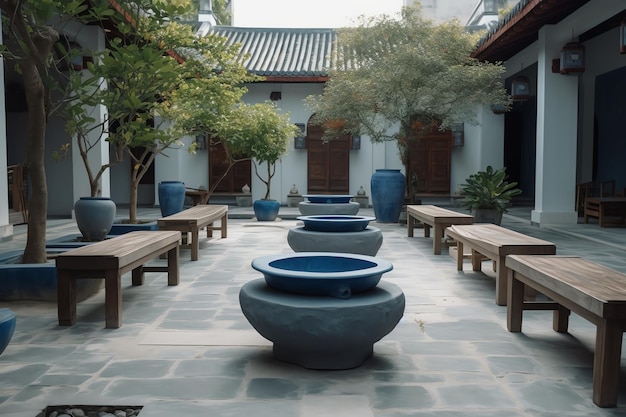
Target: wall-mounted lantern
[[458, 134], [299, 142], [520, 88], [356, 143], [201, 142], [572, 58]]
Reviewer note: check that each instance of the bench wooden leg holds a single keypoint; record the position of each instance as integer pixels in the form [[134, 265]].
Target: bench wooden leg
[[426, 230], [113, 299], [515, 303], [195, 243], [66, 298], [224, 226], [172, 266], [606, 362], [560, 319], [459, 255], [138, 275], [501, 281], [438, 235], [209, 230], [477, 261], [410, 225]]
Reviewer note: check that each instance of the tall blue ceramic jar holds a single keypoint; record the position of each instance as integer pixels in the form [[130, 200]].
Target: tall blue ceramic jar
[[171, 197], [388, 186], [94, 217]]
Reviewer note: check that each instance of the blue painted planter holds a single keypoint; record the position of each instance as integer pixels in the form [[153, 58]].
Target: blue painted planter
[[171, 197], [322, 273], [7, 327], [266, 210], [388, 186], [36, 281]]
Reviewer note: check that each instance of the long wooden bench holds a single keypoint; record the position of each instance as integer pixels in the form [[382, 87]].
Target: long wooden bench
[[436, 217], [495, 242], [110, 259], [192, 220], [593, 291], [603, 207]]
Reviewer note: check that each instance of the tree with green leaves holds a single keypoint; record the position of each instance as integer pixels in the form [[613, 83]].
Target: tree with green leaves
[[153, 80], [33, 44], [261, 132], [395, 78]]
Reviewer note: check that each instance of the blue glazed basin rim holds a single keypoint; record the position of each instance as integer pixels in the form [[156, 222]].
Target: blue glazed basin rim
[[336, 217], [369, 265]]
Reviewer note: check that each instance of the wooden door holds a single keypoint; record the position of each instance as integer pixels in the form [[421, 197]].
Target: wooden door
[[430, 162], [238, 176], [328, 163]]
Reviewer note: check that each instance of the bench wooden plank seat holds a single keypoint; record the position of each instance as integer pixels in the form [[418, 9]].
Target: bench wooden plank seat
[[603, 207], [110, 259], [593, 291], [436, 217], [496, 242], [193, 219]]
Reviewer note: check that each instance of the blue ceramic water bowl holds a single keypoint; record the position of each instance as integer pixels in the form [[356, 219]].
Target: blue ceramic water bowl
[[335, 223], [322, 273], [328, 199], [7, 327]]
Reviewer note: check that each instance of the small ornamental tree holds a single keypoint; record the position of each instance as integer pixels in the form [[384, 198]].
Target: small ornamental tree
[[149, 80], [33, 43], [396, 77], [260, 131]]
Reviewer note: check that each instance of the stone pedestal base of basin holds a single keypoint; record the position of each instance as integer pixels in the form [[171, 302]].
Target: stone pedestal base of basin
[[318, 332], [365, 242], [311, 209]]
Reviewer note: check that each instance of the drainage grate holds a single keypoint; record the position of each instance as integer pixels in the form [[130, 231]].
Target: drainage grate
[[90, 411]]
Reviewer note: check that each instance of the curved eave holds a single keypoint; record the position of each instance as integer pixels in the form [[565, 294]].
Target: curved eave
[[521, 26]]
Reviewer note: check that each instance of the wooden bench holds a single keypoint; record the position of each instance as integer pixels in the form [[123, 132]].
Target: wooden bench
[[192, 220], [436, 217], [495, 242], [592, 291], [110, 259], [602, 207]]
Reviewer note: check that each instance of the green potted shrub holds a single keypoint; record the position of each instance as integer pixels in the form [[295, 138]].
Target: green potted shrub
[[487, 194]]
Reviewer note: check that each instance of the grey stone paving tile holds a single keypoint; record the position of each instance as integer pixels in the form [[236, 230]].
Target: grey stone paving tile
[[403, 396], [272, 388]]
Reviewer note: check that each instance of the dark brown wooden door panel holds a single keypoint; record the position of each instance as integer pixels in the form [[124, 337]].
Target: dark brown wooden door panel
[[328, 163], [430, 161], [238, 176]]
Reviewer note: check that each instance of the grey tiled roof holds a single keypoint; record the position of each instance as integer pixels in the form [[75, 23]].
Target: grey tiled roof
[[283, 52]]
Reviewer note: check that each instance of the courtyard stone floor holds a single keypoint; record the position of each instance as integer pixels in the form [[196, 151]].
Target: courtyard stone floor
[[188, 350]]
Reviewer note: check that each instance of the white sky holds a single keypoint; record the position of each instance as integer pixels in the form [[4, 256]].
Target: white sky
[[309, 13]]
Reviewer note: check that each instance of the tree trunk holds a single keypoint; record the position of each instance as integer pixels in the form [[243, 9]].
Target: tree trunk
[[132, 209], [35, 251]]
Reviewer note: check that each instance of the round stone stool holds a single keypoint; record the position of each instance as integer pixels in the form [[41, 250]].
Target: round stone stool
[[365, 242], [318, 332], [312, 209]]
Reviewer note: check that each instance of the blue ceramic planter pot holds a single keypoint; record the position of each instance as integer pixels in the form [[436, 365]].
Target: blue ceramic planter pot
[[94, 217], [266, 210], [322, 273], [388, 187], [171, 197], [7, 327]]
